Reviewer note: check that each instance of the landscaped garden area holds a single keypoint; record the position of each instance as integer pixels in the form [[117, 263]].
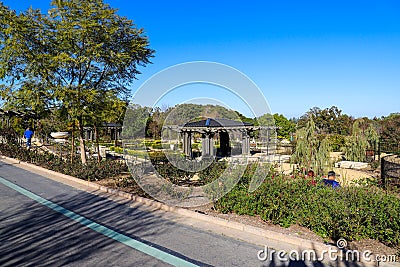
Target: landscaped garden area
[[362, 209]]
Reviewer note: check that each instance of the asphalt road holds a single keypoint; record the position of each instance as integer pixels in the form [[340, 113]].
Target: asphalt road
[[64, 226]]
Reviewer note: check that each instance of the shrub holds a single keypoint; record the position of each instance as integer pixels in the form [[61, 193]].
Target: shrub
[[336, 141], [118, 150], [353, 212], [196, 146], [156, 144], [312, 149], [91, 171]]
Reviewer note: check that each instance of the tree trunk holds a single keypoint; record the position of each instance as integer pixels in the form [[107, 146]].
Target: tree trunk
[[73, 142], [97, 143], [82, 142]]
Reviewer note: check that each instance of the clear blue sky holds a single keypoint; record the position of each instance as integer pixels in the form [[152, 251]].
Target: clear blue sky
[[301, 54]]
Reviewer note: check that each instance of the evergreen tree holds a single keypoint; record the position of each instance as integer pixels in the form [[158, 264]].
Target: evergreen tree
[[310, 152], [359, 141]]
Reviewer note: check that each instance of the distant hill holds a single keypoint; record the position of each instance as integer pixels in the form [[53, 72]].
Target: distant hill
[[191, 112]]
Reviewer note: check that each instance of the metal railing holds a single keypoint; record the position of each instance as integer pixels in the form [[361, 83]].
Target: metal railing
[[390, 171]]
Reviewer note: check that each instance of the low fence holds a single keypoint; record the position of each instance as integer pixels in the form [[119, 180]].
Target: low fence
[[389, 146], [373, 153], [390, 171]]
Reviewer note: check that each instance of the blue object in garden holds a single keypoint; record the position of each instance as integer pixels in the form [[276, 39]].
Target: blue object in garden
[[332, 183], [28, 134]]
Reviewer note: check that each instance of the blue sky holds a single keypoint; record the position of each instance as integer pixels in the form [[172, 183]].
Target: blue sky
[[301, 54]]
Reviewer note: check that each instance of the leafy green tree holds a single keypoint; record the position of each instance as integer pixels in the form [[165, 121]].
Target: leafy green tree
[[135, 121], [266, 120], [285, 126], [105, 107], [328, 121], [359, 141], [336, 141], [311, 153], [390, 134], [67, 58], [372, 136]]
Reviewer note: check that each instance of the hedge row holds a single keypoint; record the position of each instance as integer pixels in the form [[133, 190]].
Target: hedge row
[[93, 170], [354, 212]]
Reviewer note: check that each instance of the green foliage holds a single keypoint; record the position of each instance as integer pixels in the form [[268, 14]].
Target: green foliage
[[183, 112], [328, 120], [358, 142], [390, 133], [119, 150], [9, 135], [371, 135], [156, 144], [336, 141], [322, 157], [80, 57], [286, 127], [310, 152], [135, 121], [178, 175], [92, 170], [353, 212], [266, 120], [196, 146], [245, 119]]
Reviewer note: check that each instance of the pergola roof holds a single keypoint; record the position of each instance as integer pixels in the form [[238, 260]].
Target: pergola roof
[[21, 114], [216, 123], [111, 125], [105, 125]]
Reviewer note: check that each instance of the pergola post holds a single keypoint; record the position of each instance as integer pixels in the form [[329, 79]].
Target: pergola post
[[187, 144], [245, 143], [207, 142]]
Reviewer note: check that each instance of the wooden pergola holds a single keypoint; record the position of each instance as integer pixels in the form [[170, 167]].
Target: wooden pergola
[[6, 115], [112, 129], [209, 128]]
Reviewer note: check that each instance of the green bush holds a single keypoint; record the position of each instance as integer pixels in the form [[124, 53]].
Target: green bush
[[138, 153], [337, 141], [178, 176], [118, 150], [156, 144], [196, 146], [353, 212], [93, 170]]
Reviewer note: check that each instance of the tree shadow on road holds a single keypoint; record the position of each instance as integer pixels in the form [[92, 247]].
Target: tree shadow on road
[[41, 236]]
